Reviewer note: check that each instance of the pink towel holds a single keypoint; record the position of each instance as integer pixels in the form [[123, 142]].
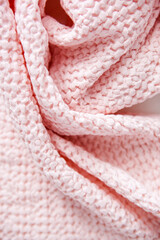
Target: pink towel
[[72, 166]]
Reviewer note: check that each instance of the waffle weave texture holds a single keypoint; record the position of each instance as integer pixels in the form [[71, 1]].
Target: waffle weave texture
[[72, 165]]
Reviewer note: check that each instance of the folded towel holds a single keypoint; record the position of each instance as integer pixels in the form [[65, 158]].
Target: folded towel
[[73, 165]]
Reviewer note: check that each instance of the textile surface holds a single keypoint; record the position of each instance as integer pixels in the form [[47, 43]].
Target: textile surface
[[73, 165]]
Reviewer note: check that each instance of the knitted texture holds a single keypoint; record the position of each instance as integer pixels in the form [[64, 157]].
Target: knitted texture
[[72, 167]]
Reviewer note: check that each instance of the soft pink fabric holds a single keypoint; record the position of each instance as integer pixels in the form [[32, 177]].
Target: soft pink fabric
[[71, 166]]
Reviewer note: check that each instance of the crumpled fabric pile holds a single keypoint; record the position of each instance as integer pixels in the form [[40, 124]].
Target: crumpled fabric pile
[[73, 165]]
